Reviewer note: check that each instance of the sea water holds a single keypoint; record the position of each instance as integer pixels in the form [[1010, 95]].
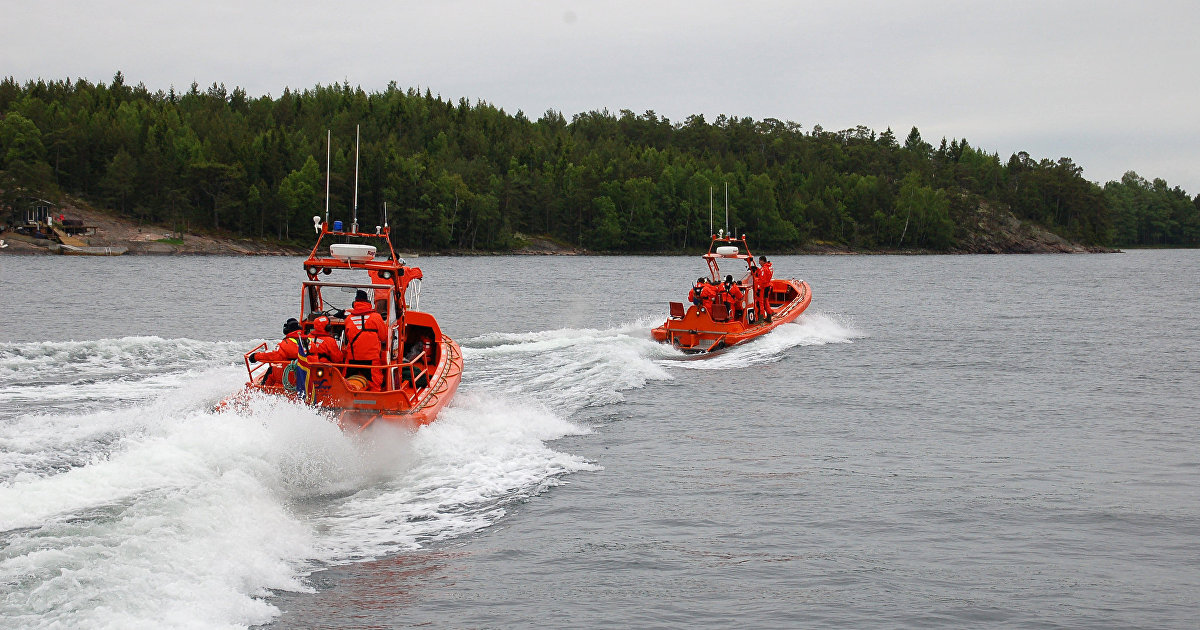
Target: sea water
[[940, 441]]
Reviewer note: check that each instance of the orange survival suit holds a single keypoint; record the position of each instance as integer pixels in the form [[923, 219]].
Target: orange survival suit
[[697, 291], [762, 289], [366, 337], [707, 295], [287, 350], [322, 347], [731, 294]]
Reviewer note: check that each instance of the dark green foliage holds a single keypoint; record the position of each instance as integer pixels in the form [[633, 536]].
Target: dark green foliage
[[473, 177], [1153, 213]]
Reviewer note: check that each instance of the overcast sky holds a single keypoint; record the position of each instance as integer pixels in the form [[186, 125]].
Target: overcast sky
[[1113, 85]]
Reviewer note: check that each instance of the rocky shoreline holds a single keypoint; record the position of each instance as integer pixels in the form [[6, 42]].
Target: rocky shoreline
[[118, 234], [991, 231]]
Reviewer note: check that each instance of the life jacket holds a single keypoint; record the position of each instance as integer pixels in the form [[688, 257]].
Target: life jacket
[[288, 349], [381, 295], [708, 294], [366, 333], [762, 290], [323, 348], [731, 294], [697, 292], [767, 274]]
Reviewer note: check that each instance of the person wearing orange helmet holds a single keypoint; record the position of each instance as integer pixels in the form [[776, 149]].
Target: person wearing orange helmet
[[697, 293], [322, 347], [366, 337], [708, 295], [288, 349], [731, 294], [381, 295]]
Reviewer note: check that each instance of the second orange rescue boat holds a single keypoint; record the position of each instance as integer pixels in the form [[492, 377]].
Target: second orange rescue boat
[[744, 305]]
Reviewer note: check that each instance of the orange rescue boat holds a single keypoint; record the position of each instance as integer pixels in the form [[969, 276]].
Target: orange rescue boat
[[708, 325], [420, 367]]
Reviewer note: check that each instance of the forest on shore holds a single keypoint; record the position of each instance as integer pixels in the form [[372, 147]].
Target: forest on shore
[[469, 176]]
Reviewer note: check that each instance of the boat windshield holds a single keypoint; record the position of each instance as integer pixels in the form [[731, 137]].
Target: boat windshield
[[735, 267], [324, 298]]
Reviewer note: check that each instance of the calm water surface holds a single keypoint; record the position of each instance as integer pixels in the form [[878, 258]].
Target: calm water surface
[[958, 441]]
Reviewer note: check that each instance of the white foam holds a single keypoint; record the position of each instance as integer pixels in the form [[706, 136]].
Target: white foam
[[812, 328], [125, 502], [567, 369], [184, 522], [47, 442], [74, 375], [103, 357], [463, 469], [142, 508]]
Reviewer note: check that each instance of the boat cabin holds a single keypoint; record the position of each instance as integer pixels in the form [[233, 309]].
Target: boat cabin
[[406, 328], [412, 334]]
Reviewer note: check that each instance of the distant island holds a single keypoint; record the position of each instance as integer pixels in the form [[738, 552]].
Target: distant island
[[248, 174]]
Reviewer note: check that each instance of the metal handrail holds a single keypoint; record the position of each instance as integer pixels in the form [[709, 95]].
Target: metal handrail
[[418, 371], [246, 357]]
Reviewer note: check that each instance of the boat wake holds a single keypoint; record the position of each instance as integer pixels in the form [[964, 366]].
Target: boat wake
[[78, 375], [566, 369], [812, 328], [125, 501]]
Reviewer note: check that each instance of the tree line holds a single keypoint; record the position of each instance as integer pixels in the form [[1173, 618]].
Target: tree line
[[469, 176]]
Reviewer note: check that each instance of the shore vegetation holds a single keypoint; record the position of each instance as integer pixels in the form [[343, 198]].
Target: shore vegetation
[[469, 176]]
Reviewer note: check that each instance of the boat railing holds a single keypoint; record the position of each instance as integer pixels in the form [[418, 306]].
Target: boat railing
[[253, 369], [414, 372], [417, 369]]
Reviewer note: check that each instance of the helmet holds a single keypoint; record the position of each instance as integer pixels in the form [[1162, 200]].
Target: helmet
[[320, 324], [361, 296], [291, 325]]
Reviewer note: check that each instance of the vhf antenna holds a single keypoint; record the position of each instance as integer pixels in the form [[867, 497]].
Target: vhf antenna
[[328, 144], [726, 207], [354, 226]]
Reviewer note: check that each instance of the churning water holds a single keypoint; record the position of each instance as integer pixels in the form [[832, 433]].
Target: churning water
[[994, 441]]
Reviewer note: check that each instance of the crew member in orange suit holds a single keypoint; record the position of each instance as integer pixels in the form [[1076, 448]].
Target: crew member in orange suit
[[696, 294], [732, 294], [366, 337], [322, 347], [708, 295], [381, 295], [762, 287], [287, 350]]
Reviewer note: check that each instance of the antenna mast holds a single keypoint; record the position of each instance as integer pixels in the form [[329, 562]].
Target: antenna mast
[[726, 208], [354, 226], [328, 143]]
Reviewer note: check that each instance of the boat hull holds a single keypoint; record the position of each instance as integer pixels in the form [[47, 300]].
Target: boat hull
[[697, 332], [70, 250]]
